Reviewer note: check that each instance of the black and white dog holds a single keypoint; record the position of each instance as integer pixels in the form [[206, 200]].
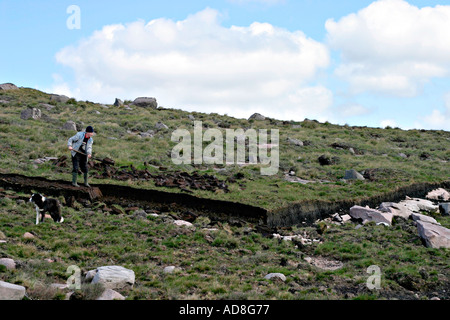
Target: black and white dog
[[43, 205]]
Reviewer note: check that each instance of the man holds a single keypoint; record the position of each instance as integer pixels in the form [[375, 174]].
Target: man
[[80, 146]]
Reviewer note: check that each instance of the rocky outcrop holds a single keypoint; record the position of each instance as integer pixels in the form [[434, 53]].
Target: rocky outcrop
[[367, 214], [434, 236], [8, 86], [59, 98], [146, 102], [257, 117], [439, 194], [70, 125]]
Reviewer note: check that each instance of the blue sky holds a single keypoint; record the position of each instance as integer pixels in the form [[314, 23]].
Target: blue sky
[[366, 63]]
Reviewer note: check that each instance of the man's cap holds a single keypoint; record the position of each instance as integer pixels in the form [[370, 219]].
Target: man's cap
[[89, 129]]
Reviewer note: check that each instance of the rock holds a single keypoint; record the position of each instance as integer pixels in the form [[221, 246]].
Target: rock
[[9, 291], [323, 263], [367, 214], [59, 98], [417, 205], [353, 175], [276, 276], [146, 102], [2, 236], [402, 155], [28, 235], [257, 117], [295, 142], [70, 125], [397, 209], [30, 113], [183, 223], [435, 236], [8, 263], [171, 269], [8, 86], [444, 209], [118, 103], [421, 217], [160, 126], [110, 294], [439, 194], [113, 277], [191, 117], [345, 218]]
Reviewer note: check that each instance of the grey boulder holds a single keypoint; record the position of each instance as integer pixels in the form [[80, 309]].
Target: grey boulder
[[9, 291], [112, 277], [434, 236], [367, 214], [146, 102]]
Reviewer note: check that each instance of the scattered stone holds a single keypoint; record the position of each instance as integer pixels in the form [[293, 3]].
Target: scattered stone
[[9, 291], [345, 218], [367, 214], [257, 117], [295, 142], [353, 175], [112, 277], [183, 223], [110, 294], [8, 86], [160, 126], [275, 276], [30, 113], [70, 125], [118, 103], [8, 263], [146, 102], [434, 236], [439, 194], [59, 286], [402, 155], [28, 235], [171, 269]]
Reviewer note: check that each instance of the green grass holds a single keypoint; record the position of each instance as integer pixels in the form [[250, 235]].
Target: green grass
[[229, 263], [25, 140]]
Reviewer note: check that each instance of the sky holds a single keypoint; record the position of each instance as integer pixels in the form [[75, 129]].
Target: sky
[[356, 62]]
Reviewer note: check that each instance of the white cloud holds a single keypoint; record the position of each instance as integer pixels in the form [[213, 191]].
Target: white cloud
[[439, 119], [197, 64], [392, 47], [388, 123]]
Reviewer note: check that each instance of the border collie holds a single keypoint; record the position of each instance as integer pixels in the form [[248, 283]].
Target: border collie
[[44, 205]]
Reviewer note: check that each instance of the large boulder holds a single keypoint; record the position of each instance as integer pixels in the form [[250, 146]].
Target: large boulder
[[367, 214], [112, 277], [397, 209], [257, 117], [59, 98], [110, 294], [9, 291], [295, 142], [417, 205], [8, 86], [434, 236], [70, 125], [146, 102], [439, 194]]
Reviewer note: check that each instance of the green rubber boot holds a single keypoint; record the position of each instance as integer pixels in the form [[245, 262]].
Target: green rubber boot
[[74, 179], [86, 184]]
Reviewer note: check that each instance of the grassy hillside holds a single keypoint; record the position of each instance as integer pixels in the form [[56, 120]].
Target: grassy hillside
[[220, 259], [389, 157]]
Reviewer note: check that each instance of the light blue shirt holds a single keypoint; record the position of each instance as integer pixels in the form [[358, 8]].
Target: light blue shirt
[[77, 140]]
